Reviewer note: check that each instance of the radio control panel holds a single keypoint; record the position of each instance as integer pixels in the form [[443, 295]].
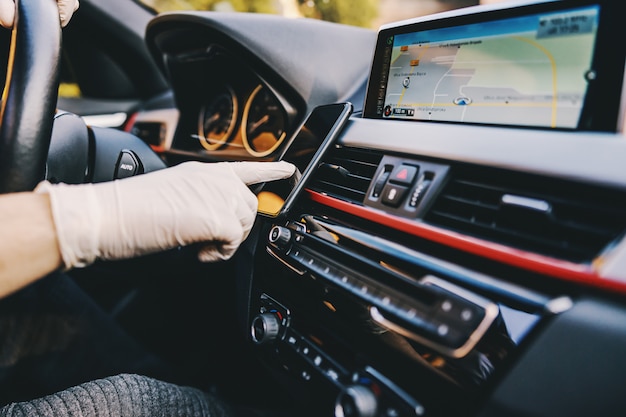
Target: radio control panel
[[382, 328], [446, 318]]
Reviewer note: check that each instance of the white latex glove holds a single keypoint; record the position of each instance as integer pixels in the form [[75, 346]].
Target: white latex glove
[[7, 11], [190, 203]]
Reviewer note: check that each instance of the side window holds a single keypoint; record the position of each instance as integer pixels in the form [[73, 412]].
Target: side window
[[106, 69], [88, 69]]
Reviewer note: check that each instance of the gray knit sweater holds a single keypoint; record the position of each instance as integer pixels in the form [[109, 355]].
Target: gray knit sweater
[[123, 395]]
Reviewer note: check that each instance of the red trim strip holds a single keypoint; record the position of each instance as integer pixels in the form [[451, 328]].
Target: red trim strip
[[564, 270], [130, 122], [157, 148]]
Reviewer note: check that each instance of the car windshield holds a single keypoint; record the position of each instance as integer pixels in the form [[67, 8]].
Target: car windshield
[[364, 13]]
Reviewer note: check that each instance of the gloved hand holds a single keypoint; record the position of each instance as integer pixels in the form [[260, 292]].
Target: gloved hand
[[7, 11], [190, 203]]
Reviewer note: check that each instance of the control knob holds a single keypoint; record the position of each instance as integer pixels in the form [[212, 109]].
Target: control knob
[[356, 401], [265, 328], [280, 236]]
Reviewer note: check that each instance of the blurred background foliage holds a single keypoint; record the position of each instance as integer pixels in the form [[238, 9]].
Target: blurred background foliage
[[365, 13], [255, 6], [351, 12]]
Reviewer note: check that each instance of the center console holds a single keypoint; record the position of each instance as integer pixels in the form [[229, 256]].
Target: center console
[[358, 303], [361, 318]]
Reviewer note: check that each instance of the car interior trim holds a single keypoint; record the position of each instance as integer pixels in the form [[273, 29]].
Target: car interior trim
[[522, 297], [532, 151], [490, 309], [157, 127], [584, 274], [106, 120]]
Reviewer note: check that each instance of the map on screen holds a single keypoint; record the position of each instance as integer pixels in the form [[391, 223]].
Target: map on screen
[[529, 70]]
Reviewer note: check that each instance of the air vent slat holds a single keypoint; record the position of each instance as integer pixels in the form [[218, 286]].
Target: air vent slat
[[475, 210], [555, 247], [564, 220], [468, 202], [361, 166], [342, 191]]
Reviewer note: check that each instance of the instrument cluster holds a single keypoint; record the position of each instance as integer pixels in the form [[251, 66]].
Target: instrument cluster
[[258, 122], [235, 113]]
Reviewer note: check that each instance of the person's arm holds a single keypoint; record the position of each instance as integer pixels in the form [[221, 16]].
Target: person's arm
[[28, 242], [74, 225]]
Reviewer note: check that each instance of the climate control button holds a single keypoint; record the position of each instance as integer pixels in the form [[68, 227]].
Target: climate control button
[[265, 328], [356, 401], [280, 236]]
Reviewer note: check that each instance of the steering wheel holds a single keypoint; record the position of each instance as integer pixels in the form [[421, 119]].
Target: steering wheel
[[30, 95]]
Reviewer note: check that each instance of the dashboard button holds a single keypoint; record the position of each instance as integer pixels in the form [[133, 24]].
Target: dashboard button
[[380, 183], [420, 190], [403, 174], [393, 195], [292, 339]]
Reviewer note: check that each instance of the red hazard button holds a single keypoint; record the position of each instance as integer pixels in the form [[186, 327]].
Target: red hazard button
[[403, 174]]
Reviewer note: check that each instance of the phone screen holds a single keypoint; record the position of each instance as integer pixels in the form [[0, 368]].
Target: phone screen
[[317, 133]]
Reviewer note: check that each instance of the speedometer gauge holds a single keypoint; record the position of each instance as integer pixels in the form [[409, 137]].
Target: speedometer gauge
[[264, 121], [217, 119]]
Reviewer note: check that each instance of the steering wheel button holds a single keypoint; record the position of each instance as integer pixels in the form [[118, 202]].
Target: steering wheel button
[[127, 165]]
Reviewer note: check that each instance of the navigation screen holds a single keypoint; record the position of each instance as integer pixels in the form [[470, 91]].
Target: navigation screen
[[529, 70]]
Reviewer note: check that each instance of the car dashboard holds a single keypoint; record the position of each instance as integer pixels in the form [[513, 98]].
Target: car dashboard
[[237, 96], [469, 257]]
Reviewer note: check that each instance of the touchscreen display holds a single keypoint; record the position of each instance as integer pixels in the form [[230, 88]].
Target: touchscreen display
[[530, 70]]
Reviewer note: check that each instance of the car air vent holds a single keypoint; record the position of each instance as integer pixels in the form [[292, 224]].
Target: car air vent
[[345, 173], [560, 219]]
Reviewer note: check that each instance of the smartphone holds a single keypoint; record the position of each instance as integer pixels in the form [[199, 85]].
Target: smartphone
[[317, 133]]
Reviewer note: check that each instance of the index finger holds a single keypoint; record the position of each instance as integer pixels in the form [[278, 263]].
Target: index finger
[[7, 13], [258, 172]]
